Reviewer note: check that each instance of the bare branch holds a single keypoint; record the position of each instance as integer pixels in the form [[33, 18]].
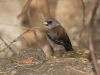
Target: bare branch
[[15, 40], [25, 8], [20, 37], [34, 32], [90, 34], [7, 45], [23, 38], [40, 11]]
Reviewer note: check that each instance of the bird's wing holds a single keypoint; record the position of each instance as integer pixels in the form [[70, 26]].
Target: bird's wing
[[54, 37], [60, 39], [66, 41]]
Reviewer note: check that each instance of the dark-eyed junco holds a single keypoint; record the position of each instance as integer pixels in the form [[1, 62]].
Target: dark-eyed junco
[[57, 34]]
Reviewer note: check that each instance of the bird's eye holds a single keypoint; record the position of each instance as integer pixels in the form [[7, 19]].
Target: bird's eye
[[49, 22]]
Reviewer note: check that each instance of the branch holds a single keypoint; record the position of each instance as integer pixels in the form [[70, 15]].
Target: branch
[[40, 11], [34, 32], [90, 33], [25, 8], [20, 37], [7, 45]]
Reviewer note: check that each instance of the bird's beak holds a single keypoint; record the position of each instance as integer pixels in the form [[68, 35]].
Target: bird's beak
[[45, 23]]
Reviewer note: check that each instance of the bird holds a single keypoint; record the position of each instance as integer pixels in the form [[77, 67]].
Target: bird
[[57, 34]]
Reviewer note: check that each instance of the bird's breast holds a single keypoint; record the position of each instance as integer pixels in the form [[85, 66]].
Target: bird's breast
[[50, 34]]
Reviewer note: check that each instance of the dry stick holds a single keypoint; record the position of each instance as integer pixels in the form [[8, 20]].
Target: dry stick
[[25, 8], [16, 40], [90, 33], [40, 11], [9, 41], [7, 45], [34, 32], [26, 41], [20, 37], [83, 18], [48, 8]]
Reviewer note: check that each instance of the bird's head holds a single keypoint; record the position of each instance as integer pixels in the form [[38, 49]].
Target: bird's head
[[51, 22]]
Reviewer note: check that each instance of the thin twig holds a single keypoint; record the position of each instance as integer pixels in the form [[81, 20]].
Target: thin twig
[[26, 41], [7, 45], [40, 10], [15, 40], [25, 8], [8, 41], [83, 4], [91, 47], [34, 32], [48, 8], [20, 37]]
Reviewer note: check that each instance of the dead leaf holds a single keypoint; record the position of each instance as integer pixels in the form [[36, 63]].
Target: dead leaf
[[28, 60]]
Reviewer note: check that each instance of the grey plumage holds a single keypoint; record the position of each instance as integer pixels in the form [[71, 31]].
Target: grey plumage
[[57, 34]]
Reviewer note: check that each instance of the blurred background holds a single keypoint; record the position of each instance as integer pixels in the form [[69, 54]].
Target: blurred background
[[68, 12]]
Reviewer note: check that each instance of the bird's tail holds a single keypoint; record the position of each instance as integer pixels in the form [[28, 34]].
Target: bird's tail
[[68, 47]]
